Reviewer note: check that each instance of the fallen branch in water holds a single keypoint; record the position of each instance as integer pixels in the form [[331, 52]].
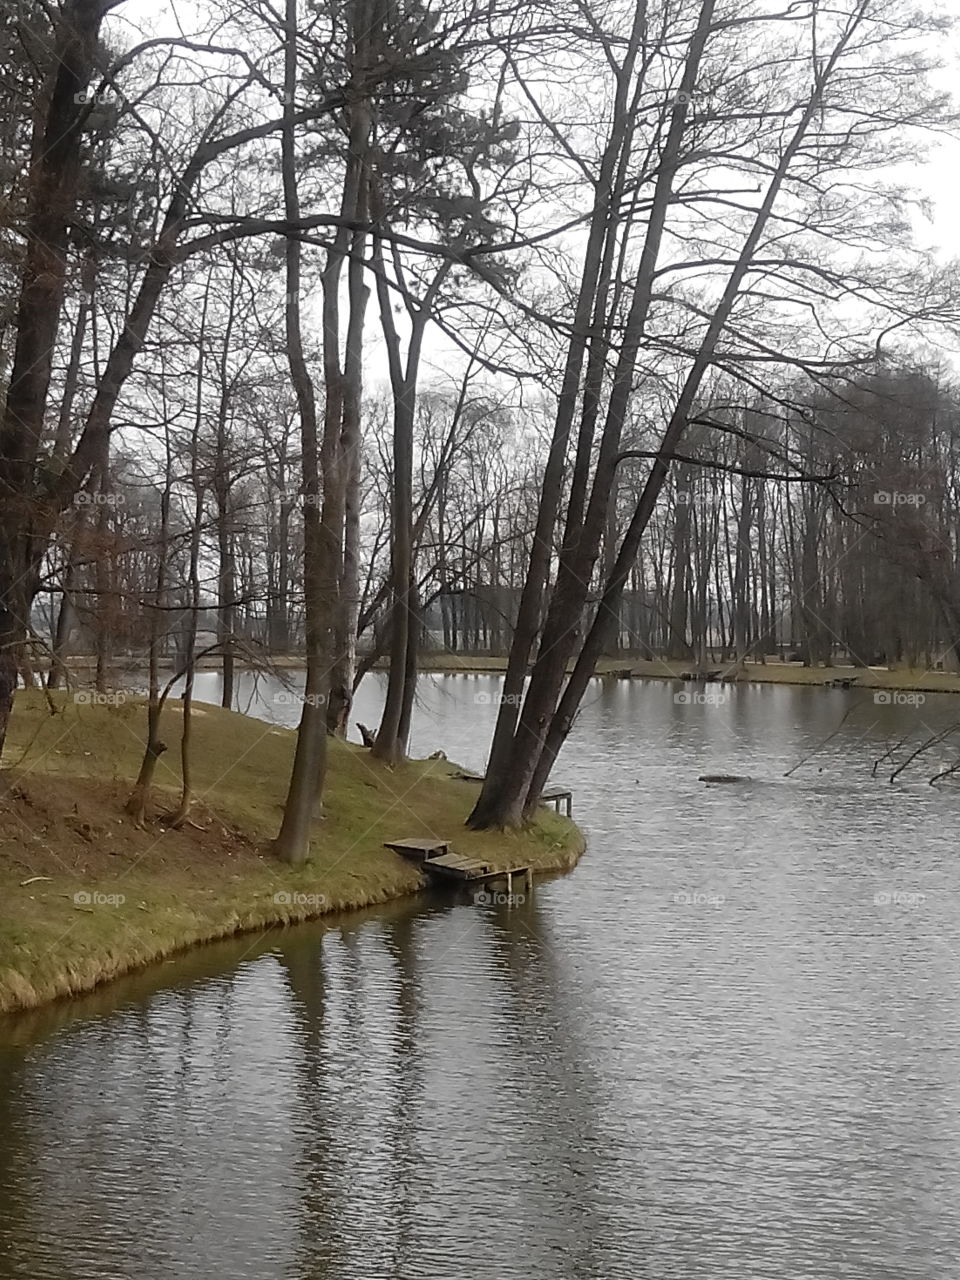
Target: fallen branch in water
[[924, 746], [887, 754], [821, 745], [944, 773]]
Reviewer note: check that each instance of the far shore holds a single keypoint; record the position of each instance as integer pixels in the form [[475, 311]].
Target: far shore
[[772, 671]]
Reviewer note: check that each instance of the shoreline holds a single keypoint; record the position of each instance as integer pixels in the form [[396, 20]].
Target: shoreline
[[905, 679], [781, 673], [21, 996], [88, 897]]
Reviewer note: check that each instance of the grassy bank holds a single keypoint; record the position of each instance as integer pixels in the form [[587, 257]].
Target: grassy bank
[[114, 897]]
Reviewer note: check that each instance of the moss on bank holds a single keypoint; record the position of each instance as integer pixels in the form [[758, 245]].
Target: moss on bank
[[69, 853]]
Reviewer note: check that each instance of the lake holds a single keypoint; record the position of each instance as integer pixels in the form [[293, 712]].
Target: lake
[[724, 1048]]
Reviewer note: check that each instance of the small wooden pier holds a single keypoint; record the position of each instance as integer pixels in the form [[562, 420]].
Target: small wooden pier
[[442, 866], [560, 797], [419, 848]]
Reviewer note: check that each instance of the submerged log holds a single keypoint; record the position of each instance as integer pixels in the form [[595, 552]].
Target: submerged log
[[724, 777]]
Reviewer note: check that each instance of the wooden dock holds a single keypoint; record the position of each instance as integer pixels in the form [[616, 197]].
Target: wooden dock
[[442, 866], [560, 797], [419, 848], [461, 869]]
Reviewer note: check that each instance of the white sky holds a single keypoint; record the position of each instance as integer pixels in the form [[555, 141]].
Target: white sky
[[936, 178]]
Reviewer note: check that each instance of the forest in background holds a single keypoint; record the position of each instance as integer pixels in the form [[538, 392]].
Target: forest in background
[[551, 331]]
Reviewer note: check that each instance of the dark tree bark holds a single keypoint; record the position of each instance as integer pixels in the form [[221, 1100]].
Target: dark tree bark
[[504, 793], [25, 520], [309, 761]]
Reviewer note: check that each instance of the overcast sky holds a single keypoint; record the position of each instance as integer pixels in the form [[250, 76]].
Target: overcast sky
[[936, 177], [939, 178]]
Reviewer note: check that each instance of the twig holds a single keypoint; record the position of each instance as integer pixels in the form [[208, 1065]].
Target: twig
[[924, 746], [887, 754], [821, 745]]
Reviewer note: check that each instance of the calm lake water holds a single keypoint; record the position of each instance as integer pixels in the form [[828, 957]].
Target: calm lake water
[[725, 1048]]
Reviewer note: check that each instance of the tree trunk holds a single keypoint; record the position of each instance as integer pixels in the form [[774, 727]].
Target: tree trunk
[[502, 800], [344, 667], [51, 200], [309, 760], [547, 729], [390, 745], [489, 809], [415, 628], [323, 528], [137, 803]]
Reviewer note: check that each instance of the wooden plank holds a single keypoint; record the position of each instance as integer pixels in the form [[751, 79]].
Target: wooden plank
[[456, 866], [455, 873], [557, 796], [506, 876], [418, 847], [458, 860], [466, 870]]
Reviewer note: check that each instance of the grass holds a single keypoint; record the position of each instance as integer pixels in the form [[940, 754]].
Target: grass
[[61, 818]]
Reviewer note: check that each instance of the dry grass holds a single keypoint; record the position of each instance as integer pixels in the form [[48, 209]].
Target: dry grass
[[62, 819]]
